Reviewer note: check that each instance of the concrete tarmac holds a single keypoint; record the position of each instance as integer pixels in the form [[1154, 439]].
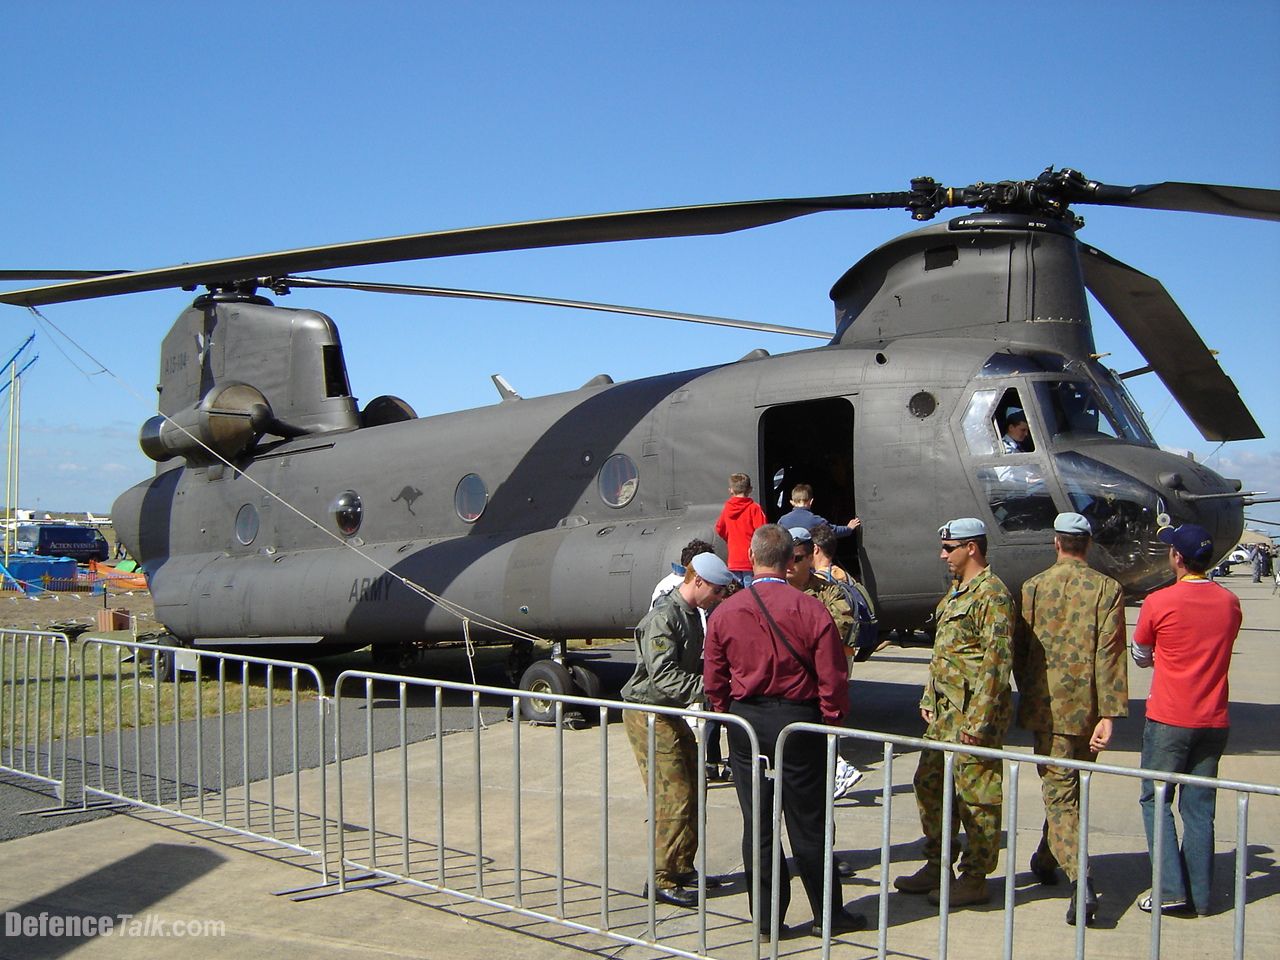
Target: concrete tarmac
[[171, 876]]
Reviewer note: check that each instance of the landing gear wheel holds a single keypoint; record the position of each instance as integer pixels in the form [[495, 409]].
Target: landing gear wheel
[[587, 681], [163, 666], [544, 676], [392, 658]]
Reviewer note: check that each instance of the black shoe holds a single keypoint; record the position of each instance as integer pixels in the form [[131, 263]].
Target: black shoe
[[676, 896], [713, 882], [841, 922], [1090, 904], [1046, 874], [844, 869]]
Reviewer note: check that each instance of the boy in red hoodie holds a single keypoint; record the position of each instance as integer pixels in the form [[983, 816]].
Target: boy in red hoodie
[[738, 521]]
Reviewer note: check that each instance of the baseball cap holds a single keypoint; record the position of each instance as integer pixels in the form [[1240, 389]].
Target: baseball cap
[[1073, 523], [711, 569], [965, 528], [1190, 540]]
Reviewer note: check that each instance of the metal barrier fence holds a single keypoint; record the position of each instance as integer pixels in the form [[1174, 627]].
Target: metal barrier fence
[[185, 765], [32, 739], [1015, 761], [180, 765], [495, 872]]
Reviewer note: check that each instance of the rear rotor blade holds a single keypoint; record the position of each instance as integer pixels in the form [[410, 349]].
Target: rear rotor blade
[[1161, 332], [282, 284], [597, 228]]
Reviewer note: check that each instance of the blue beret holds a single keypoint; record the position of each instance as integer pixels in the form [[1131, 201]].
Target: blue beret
[[800, 534], [711, 569], [1072, 523], [965, 528]]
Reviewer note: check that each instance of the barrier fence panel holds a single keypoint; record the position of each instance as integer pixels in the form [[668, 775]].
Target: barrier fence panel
[[35, 668], [1163, 782], [163, 728], [438, 819]]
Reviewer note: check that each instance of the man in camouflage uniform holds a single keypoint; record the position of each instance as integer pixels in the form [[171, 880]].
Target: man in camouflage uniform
[[800, 574], [1068, 660], [669, 674], [966, 700]]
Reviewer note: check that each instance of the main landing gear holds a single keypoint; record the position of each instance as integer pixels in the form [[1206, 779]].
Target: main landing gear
[[553, 676]]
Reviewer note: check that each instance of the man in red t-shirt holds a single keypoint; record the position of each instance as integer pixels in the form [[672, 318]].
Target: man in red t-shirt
[[739, 519], [1186, 631]]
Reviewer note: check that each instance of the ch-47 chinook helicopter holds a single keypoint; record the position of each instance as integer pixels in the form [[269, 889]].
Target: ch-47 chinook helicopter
[[554, 516]]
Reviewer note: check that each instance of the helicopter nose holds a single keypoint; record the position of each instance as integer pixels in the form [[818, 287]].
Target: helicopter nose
[[1126, 512]]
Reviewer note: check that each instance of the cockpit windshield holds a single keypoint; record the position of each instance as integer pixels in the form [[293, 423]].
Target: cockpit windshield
[[1079, 409]]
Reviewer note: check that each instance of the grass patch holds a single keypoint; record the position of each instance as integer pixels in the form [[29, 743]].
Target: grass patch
[[108, 688]]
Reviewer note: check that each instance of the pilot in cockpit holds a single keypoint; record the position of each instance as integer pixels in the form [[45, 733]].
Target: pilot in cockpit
[[1017, 434]]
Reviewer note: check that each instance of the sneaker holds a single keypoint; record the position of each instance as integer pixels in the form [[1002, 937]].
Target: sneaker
[[1167, 907], [847, 775], [927, 878], [969, 888]]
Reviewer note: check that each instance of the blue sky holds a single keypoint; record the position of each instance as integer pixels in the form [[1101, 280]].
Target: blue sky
[[145, 134]]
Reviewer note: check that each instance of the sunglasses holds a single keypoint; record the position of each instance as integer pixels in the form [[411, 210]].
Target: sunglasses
[[952, 547], [800, 558]]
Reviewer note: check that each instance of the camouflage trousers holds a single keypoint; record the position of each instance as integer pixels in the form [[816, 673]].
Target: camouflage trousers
[[1060, 787], [675, 800], [978, 799]]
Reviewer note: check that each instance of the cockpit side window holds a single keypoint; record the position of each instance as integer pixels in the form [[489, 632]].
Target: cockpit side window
[[1011, 422], [979, 432]]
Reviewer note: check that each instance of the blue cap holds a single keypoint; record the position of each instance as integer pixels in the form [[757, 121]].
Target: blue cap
[[1073, 523], [1192, 541], [711, 569], [800, 534], [1015, 415], [965, 528]]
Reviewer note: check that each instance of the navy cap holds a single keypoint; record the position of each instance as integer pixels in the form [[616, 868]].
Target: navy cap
[[711, 569], [1073, 523], [800, 534], [1015, 415], [1190, 540], [965, 528]]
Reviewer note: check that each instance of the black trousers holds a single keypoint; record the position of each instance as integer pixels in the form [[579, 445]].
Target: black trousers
[[803, 777]]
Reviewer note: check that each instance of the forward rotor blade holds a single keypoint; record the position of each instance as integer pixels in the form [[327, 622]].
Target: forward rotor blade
[[597, 228], [318, 282], [57, 274], [1253, 202], [1161, 332]]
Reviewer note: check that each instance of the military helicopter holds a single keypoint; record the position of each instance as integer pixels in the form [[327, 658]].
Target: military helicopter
[[284, 513]]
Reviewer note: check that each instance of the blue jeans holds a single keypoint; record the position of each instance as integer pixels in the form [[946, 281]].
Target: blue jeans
[[744, 577], [1196, 750]]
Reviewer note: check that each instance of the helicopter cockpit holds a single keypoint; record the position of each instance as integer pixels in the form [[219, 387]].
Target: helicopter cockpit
[[1052, 434]]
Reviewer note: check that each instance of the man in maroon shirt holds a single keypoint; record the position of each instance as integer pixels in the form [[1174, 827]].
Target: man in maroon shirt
[[773, 657], [1186, 631]]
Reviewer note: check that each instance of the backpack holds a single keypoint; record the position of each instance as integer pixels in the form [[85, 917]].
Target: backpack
[[864, 632]]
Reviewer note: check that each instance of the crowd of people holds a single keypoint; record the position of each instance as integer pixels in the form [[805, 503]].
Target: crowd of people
[[786, 625]]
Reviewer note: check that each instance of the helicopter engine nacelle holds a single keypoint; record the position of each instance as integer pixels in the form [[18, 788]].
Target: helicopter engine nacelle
[[222, 425]]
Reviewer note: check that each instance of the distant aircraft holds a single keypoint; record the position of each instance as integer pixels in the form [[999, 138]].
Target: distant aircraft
[[93, 521]]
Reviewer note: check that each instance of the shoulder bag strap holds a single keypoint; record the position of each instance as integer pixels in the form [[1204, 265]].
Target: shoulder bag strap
[[773, 625]]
